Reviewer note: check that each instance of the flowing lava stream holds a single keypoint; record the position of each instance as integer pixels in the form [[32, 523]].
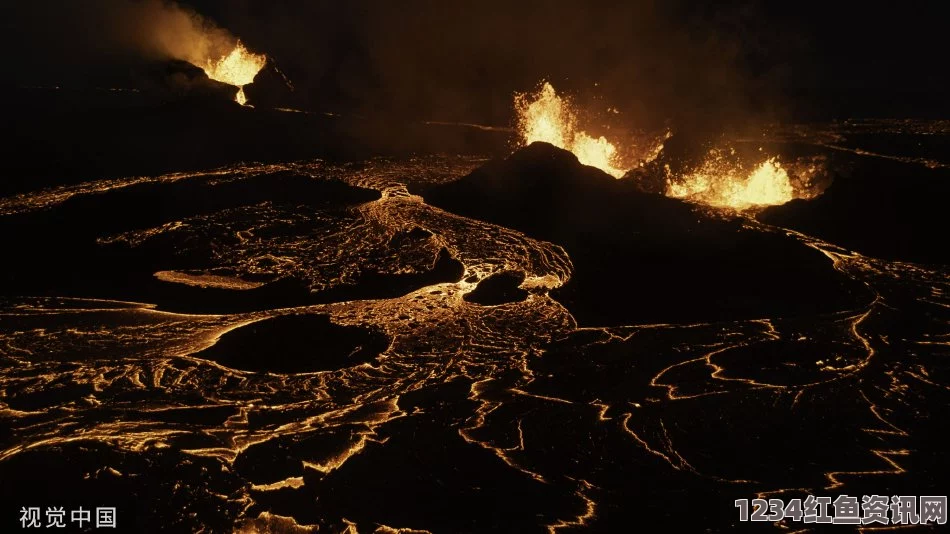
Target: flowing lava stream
[[719, 181], [237, 68]]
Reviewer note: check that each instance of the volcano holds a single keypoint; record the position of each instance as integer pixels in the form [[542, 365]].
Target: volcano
[[406, 286], [646, 258]]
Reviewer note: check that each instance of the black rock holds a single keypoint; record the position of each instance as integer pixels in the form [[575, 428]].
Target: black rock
[[296, 343], [642, 257], [177, 80], [272, 89], [649, 178], [498, 288], [882, 208]]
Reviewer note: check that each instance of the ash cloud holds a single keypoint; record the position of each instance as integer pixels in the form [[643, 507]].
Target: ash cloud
[[653, 60], [165, 29], [97, 41], [461, 61]]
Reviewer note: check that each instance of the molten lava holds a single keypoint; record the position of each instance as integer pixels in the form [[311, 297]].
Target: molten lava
[[545, 116], [720, 182], [237, 68]]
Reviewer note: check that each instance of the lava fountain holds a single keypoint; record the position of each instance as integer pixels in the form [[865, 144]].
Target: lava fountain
[[720, 181], [545, 116], [723, 183], [237, 68]]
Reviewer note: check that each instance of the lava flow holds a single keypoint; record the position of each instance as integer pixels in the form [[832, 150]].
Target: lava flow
[[237, 68]]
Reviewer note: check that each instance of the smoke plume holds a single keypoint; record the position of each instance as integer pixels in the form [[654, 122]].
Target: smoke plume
[[70, 41]]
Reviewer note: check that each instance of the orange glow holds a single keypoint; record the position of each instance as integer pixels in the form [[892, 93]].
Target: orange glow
[[237, 68], [545, 116], [720, 182]]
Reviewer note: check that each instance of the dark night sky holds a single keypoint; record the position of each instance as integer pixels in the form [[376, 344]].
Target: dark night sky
[[462, 60]]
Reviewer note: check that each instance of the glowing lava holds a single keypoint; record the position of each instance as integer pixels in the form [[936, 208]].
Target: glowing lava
[[719, 182], [545, 116], [237, 68]]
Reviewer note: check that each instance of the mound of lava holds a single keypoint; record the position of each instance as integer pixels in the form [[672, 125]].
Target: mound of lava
[[884, 208], [642, 257]]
